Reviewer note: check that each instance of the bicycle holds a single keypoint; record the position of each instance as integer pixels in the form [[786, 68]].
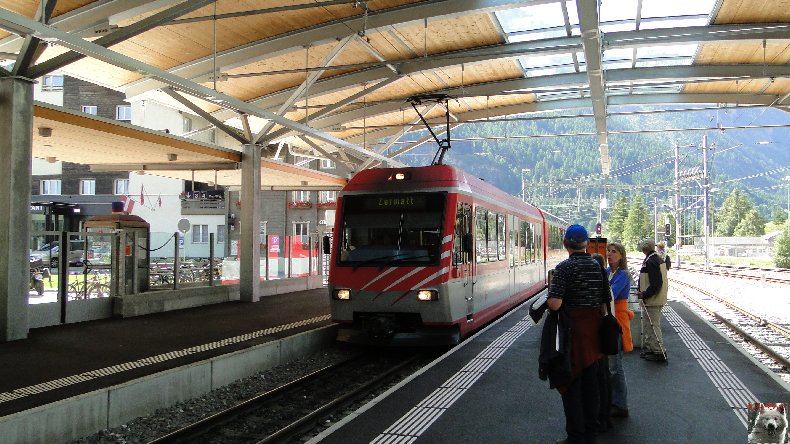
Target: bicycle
[[89, 287]]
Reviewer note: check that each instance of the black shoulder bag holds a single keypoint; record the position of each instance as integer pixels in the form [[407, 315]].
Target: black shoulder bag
[[610, 330]]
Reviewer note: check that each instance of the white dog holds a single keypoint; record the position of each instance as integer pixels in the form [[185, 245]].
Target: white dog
[[770, 424]]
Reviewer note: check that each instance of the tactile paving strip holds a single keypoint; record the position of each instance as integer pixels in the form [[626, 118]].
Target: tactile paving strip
[[93, 374], [417, 420], [734, 392]]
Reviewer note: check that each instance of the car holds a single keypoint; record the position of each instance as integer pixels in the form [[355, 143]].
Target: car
[[49, 253]]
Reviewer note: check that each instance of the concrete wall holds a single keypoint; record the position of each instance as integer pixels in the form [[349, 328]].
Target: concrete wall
[[86, 414], [168, 300]]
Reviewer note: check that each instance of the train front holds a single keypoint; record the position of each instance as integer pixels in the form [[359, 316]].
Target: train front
[[390, 261]]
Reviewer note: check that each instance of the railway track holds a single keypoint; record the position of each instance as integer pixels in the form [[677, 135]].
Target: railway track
[[770, 339], [763, 274], [294, 409]]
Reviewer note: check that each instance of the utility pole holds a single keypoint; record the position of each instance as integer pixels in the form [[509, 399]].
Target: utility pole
[[705, 194], [655, 219], [678, 242]]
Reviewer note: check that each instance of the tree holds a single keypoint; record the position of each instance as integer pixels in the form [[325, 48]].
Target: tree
[[733, 210], [637, 224], [616, 222], [779, 216], [751, 225], [782, 249]]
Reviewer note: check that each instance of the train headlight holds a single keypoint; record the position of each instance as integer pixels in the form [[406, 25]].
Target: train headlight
[[427, 295], [343, 294]]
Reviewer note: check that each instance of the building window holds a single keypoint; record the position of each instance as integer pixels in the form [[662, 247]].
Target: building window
[[221, 229], [50, 186], [327, 196], [300, 196], [90, 109], [87, 186], [199, 234], [123, 112], [187, 124], [302, 161], [121, 186], [301, 228], [327, 164], [52, 83]]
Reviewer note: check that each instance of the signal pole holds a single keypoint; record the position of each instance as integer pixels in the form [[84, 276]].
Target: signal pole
[[677, 205], [705, 194]]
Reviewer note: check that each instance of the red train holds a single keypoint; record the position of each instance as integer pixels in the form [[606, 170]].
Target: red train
[[426, 255]]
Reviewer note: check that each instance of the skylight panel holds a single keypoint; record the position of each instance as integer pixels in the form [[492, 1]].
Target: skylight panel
[[664, 8], [551, 33], [538, 72], [675, 22], [674, 61], [617, 54], [650, 52], [533, 18], [617, 10], [547, 60]]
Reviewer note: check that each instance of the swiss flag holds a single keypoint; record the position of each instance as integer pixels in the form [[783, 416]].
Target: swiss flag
[[128, 204]]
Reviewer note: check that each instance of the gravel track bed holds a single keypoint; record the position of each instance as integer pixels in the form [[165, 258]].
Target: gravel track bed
[[770, 301], [162, 421]]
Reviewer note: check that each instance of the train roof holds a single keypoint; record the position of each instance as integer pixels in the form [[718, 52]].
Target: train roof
[[434, 177]]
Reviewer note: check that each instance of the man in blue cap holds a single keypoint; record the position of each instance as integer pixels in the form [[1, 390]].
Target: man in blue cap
[[579, 286]]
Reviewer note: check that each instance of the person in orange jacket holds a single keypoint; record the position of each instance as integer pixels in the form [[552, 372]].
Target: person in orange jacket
[[620, 282]]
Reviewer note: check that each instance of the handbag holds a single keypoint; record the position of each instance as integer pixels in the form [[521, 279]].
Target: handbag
[[610, 333]]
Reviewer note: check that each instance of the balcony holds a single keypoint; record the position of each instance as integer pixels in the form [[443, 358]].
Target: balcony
[[203, 202], [301, 205]]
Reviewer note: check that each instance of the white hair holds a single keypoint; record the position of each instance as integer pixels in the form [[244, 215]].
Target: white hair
[[646, 245]]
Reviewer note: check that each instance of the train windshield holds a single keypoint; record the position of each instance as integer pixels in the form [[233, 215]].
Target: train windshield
[[386, 229]]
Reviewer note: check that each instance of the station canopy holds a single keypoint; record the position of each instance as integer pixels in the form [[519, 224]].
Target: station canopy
[[348, 80]]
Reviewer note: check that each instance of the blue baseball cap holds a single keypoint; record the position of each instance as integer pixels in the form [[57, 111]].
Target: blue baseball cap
[[576, 233]]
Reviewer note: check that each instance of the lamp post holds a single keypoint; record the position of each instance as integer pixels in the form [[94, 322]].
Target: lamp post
[[787, 179], [523, 185]]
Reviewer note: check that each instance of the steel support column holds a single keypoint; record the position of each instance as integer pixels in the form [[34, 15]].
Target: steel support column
[[16, 147]]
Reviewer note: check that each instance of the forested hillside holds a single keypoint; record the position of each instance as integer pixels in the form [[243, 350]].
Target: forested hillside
[[755, 160]]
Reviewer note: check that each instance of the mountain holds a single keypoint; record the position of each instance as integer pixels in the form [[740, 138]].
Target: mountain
[[641, 148]]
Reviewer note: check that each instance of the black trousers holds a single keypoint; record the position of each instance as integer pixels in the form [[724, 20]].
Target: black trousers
[[581, 403]]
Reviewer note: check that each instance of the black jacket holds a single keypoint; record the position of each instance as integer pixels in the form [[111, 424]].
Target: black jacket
[[554, 362]]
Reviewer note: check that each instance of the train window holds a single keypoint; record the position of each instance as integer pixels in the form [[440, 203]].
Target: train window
[[491, 238], [462, 227], [513, 237], [501, 240], [384, 229], [481, 234]]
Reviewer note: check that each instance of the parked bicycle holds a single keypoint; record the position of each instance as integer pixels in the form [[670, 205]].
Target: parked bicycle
[[90, 284]]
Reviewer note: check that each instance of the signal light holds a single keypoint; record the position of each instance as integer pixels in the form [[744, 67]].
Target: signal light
[[598, 228], [667, 229]]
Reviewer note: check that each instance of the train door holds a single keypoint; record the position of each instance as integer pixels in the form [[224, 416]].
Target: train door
[[463, 254]]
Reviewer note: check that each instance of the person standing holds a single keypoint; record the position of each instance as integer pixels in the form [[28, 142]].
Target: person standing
[[664, 255], [653, 293], [620, 282], [579, 287]]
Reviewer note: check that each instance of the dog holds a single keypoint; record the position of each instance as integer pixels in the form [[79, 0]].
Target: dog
[[768, 423]]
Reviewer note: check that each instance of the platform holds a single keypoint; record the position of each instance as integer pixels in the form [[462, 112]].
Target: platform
[[488, 390], [60, 362]]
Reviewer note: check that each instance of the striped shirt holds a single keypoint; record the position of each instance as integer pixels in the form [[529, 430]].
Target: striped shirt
[[579, 281]]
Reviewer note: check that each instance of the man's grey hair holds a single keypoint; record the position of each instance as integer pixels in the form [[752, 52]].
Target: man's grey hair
[[575, 245], [646, 245]]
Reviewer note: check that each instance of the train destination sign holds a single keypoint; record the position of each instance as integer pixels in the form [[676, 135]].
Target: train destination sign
[[395, 202]]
